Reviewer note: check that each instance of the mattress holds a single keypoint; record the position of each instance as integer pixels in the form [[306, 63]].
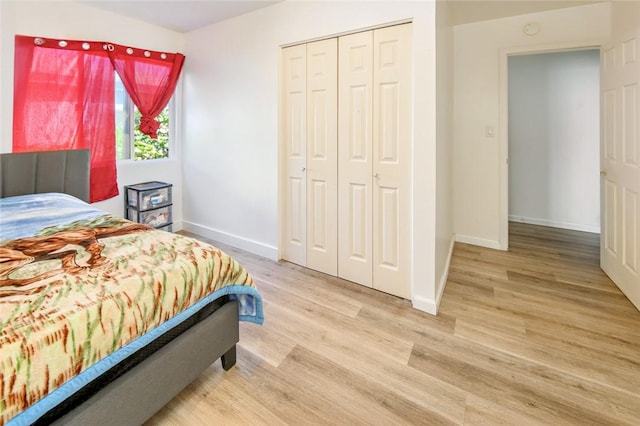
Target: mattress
[[82, 290]]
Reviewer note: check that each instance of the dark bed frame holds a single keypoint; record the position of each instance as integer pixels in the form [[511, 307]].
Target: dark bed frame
[[148, 384]]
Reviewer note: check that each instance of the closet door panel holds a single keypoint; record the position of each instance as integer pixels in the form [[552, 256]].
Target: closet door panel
[[359, 233], [294, 116], [296, 229], [388, 128], [388, 214], [322, 156], [392, 159], [355, 77]]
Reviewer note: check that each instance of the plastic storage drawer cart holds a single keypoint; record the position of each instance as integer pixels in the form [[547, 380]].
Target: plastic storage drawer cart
[[149, 203]]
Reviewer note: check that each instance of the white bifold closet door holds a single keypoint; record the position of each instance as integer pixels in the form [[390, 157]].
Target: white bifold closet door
[[346, 125], [310, 138], [374, 159], [294, 134], [355, 158]]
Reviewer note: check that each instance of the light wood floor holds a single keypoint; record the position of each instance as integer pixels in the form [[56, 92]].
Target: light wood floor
[[536, 335]]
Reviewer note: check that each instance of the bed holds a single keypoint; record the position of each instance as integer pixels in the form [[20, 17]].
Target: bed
[[102, 320]]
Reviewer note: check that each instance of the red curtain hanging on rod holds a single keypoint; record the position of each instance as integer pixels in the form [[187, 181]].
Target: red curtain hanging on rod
[[64, 98], [150, 78]]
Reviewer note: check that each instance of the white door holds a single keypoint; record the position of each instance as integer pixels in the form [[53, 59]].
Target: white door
[[322, 156], [355, 158], [294, 88], [392, 159], [620, 185]]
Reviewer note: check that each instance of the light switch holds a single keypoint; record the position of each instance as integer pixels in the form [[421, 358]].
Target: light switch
[[488, 131]]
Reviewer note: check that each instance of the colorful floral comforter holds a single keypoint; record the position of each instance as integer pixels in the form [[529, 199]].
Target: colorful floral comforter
[[77, 284]]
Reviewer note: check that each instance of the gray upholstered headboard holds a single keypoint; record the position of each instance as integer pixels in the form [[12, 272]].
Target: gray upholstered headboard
[[47, 171]]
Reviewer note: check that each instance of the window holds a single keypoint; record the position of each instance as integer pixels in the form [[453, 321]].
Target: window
[[131, 143]]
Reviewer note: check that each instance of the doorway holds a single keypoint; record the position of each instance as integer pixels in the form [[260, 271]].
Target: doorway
[[554, 139], [504, 163]]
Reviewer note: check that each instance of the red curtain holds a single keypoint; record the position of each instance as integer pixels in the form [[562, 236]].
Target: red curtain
[[64, 99], [150, 78]]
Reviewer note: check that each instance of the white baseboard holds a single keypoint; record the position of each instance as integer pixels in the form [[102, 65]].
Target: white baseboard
[[445, 276], [425, 305], [428, 305], [478, 241], [555, 224], [251, 246]]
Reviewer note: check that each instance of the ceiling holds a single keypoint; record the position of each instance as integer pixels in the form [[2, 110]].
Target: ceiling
[[466, 11], [180, 15], [188, 15]]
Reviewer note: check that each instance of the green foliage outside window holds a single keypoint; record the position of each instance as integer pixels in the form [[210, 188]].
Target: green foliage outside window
[[146, 148], [127, 120]]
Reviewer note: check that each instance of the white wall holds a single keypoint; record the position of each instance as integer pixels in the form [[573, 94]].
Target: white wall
[[554, 139], [77, 21], [231, 122], [477, 158], [625, 17], [444, 146]]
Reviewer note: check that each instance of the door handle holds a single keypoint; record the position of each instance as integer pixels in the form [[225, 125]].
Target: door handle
[[303, 169], [375, 175], [603, 173]]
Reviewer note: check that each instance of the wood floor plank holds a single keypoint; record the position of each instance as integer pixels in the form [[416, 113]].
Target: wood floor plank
[[481, 412], [355, 390], [624, 326], [426, 391], [537, 335], [524, 386], [267, 341], [299, 283], [552, 352], [303, 316]]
